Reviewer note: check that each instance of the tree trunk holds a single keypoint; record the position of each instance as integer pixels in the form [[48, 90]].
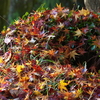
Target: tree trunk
[[92, 5]]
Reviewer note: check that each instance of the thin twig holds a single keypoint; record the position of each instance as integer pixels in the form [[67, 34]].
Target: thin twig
[[4, 20], [92, 93]]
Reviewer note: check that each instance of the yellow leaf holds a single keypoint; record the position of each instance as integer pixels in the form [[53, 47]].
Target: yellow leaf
[[26, 41], [62, 85], [1, 59], [73, 54], [89, 92], [84, 12], [78, 93], [78, 33], [37, 93], [19, 68], [42, 84], [71, 73], [25, 78], [17, 22]]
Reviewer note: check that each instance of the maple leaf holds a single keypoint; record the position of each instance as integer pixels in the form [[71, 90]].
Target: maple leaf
[[78, 93], [84, 12], [18, 39], [61, 25], [1, 59], [17, 21], [42, 84], [36, 93], [81, 51], [25, 41], [57, 71], [67, 52], [66, 31], [37, 68], [61, 39], [19, 68], [59, 7], [78, 33], [3, 83], [68, 95], [35, 32], [96, 43], [62, 85], [72, 54], [51, 52], [85, 30], [71, 43], [71, 73], [23, 79]]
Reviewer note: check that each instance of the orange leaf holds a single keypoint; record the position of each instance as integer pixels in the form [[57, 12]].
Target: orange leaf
[[97, 43], [61, 39], [59, 7]]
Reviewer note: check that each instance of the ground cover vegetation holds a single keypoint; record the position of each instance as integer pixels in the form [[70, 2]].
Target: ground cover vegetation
[[51, 55]]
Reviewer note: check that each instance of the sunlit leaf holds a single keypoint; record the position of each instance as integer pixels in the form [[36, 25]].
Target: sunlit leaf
[[42, 84], [1, 59], [78, 33], [78, 93], [37, 93], [23, 79], [83, 12], [59, 7], [62, 85], [19, 68]]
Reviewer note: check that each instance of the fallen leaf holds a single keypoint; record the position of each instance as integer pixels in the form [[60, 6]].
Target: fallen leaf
[[19, 68], [62, 85], [84, 12], [96, 43], [72, 54], [78, 33]]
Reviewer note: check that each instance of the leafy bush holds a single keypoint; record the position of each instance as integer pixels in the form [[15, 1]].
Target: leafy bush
[[40, 52]]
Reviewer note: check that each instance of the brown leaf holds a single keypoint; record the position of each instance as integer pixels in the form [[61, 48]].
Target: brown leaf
[[97, 43], [73, 54]]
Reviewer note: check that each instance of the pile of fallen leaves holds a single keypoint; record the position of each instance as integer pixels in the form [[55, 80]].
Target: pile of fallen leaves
[[38, 55]]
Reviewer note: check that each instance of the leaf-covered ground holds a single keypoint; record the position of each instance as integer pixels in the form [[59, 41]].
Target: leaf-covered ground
[[42, 56]]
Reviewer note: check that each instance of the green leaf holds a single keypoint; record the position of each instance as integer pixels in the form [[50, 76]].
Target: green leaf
[[41, 8], [25, 15]]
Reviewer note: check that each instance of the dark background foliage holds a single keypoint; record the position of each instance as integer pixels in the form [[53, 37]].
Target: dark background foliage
[[12, 9]]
